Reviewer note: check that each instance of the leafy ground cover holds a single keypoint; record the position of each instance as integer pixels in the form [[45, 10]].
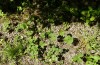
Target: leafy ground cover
[[28, 42], [38, 37]]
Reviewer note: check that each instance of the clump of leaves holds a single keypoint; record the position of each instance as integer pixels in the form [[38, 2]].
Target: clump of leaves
[[42, 44], [88, 59], [68, 39], [88, 16], [78, 57], [21, 26], [92, 60], [53, 37], [52, 54], [32, 48], [19, 8], [13, 51], [61, 32], [5, 25], [2, 14]]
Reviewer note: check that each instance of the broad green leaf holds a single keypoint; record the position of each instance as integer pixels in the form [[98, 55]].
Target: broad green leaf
[[68, 39], [19, 8], [87, 22], [92, 18]]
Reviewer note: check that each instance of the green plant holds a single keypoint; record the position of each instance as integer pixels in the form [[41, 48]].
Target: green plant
[[2, 14], [88, 15], [12, 52], [78, 57], [61, 32], [68, 39], [52, 54], [92, 60], [29, 36], [51, 20], [5, 25], [19, 8], [28, 32], [42, 35], [42, 44], [32, 48], [53, 37], [21, 26]]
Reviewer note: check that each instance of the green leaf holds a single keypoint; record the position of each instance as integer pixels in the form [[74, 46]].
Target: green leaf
[[42, 44], [83, 12], [61, 32], [90, 8], [19, 8], [53, 36], [11, 0], [68, 39], [88, 14], [96, 58], [87, 22], [92, 18], [1, 13], [77, 58], [5, 26], [21, 26], [42, 35], [32, 49], [54, 58], [51, 20], [29, 32]]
